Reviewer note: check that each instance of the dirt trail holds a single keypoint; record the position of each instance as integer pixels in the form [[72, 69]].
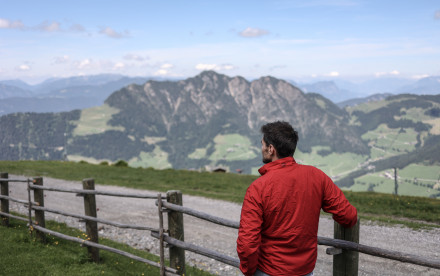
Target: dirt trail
[[222, 239]]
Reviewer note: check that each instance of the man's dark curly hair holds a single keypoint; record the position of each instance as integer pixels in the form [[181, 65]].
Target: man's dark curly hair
[[281, 136]]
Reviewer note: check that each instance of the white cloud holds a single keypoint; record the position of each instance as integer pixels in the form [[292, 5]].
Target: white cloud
[[166, 66], [84, 63], [7, 24], [333, 74], [135, 57], [161, 72], [206, 66], [417, 77], [60, 60], [392, 73], [118, 66], [52, 27], [203, 67], [112, 33], [437, 15], [23, 67], [253, 32]]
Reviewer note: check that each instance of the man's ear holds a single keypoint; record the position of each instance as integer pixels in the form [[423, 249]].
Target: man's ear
[[272, 150]]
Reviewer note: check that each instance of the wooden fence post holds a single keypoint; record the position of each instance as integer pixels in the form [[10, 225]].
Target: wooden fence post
[[4, 202], [346, 263], [39, 215], [91, 226], [175, 228]]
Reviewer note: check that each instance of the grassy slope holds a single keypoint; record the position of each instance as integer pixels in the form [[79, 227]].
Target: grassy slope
[[229, 187], [58, 256]]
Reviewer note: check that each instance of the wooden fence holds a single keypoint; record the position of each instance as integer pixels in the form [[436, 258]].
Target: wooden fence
[[344, 248]]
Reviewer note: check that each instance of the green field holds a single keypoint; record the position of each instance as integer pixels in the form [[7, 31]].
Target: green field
[[22, 254], [230, 147], [413, 180], [386, 142], [335, 164], [156, 159], [94, 120]]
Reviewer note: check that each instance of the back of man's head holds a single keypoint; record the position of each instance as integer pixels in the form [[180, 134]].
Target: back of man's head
[[281, 136]]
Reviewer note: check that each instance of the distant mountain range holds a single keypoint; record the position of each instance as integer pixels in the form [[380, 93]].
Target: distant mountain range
[[56, 95], [66, 94], [213, 120], [348, 92]]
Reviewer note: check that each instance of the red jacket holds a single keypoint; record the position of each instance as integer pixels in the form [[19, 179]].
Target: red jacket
[[280, 215]]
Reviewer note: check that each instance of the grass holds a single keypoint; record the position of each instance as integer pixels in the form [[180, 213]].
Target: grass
[[94, 120], [415, 180], [22, 254], [334, 164], [230, 187]]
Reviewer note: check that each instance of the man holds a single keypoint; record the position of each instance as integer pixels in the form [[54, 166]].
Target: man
[[280, 213]]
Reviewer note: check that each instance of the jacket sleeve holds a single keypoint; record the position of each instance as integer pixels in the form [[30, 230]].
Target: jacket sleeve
[[249, 233], [336, 203]]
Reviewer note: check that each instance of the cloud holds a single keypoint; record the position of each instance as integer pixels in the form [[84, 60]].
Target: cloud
[[161, 72], [204, 67], [7, 24], [253, 32], [23, 67], [61, 60], [392, 73], [164, 69], [119, 66], [166, 66], [83, 64], [437, 15], [135, 57], [46, 27], [417, 77], [112, 33], [333, 74]]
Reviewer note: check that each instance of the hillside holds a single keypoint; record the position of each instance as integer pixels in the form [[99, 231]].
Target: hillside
[[212, 120]]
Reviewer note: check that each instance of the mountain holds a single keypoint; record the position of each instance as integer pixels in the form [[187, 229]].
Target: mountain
[[213, 120], [425, 86], [328, 89], [9, 91], [66, 94], [17, 83], [357, 101], [186, 118]]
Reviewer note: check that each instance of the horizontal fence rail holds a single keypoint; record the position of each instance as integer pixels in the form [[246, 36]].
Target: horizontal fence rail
[[100, 246], [25, 202], [92, 192], [12, 216], [199, 250], [201, 215], [14, 180], [112, 223], [379, 252]]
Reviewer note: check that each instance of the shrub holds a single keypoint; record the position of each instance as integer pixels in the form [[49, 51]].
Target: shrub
[[121, 163]]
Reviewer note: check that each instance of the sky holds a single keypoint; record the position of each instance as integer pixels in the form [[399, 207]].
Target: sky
[[294, 40]]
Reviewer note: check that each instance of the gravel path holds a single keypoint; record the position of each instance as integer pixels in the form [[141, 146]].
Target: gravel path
[[222, 239]]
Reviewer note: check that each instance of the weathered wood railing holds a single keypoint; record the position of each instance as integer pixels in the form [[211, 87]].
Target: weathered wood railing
[[37, 205], [344, 247]]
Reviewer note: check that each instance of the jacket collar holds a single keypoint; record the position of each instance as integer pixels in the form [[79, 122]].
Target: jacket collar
[[277, 164]]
